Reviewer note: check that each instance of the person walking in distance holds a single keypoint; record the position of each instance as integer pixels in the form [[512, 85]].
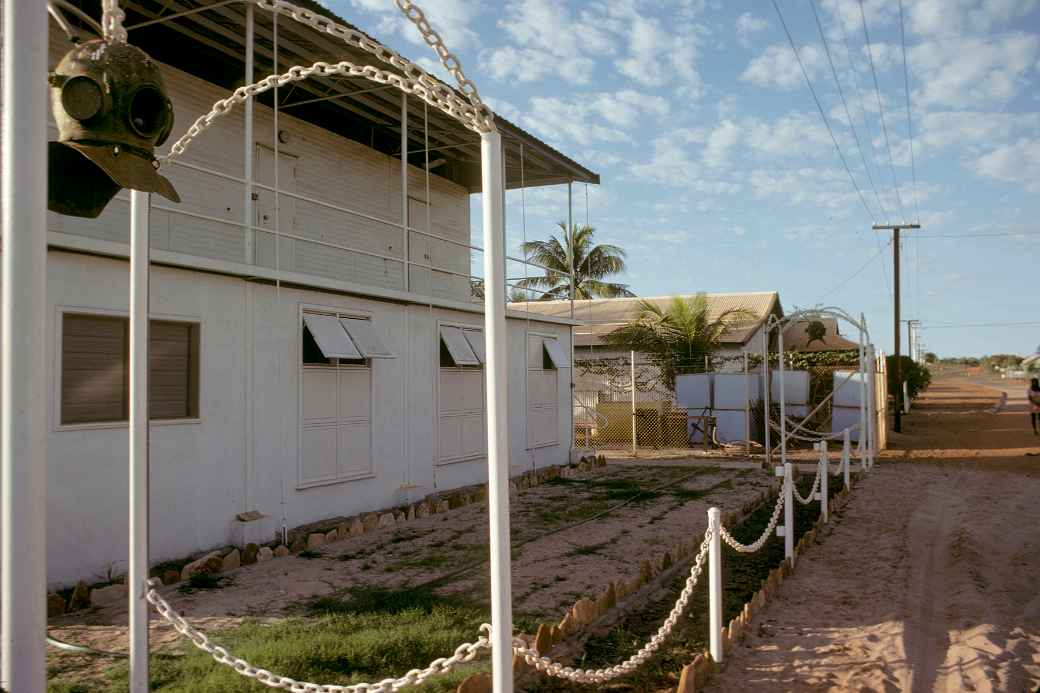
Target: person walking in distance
[[1034, 404]]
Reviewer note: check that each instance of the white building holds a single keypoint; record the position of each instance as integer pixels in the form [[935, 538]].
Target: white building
[[320, 361]]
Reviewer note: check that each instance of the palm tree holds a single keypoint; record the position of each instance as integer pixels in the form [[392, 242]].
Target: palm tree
[[678, 336], [592, 264]]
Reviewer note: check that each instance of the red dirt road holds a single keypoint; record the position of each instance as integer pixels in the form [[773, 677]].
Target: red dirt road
[[930, 577]]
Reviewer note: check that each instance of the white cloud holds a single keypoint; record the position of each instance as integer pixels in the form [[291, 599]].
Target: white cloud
[[590, 118], [672, 165], [1018, 162], [954, 17], [721, 140], [778, 67], [972, 71], [452, 19], [792, 135], [748, 26], [971, 130]]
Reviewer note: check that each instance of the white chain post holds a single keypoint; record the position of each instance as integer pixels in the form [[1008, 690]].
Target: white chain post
[[715, 584], [846, 453], [872, 410], [789, 512], [825, 473]]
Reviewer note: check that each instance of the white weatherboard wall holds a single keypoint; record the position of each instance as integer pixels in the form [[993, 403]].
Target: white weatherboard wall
[[205, 471]]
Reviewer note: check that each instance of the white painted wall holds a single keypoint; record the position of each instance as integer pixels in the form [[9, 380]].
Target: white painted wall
[[206, 471]]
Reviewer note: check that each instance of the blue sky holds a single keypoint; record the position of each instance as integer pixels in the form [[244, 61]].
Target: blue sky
[[719, 173]]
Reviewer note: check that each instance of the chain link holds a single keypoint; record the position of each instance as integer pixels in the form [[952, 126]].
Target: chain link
[[551, 668], [463, 653], [112, 17], [812, 491], [760, 542]]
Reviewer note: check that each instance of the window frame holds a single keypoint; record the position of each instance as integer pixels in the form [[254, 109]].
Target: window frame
[[544, 358], [366, 364], [59, 345], [445, 461]]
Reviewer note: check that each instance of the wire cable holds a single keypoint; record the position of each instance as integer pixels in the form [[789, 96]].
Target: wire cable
[[855, 274], [950, 326], [844, 103], [909, 122], [862, 110], [819, 106], [881, 109]]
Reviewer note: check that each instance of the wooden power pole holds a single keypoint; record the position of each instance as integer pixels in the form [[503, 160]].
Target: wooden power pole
[[895, 229]]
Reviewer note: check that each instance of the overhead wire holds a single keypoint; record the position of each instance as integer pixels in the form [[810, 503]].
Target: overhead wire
[[819, 106], [938, 326], [909, 121], [862, 109], [855, 274], [844, 103], [881, 110]]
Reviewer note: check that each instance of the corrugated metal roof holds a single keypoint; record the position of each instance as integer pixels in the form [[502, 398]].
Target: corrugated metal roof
[[600, 316]]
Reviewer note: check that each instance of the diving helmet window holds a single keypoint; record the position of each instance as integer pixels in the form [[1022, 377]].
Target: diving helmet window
[[81, 98], [149, 112]]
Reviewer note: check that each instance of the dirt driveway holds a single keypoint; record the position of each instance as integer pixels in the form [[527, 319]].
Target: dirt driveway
[[929, 581]]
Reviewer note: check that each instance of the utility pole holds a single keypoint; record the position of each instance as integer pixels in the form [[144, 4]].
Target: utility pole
[[895, 229]]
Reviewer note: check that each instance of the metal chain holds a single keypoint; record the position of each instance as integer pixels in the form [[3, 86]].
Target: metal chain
[[551, 668], [112, 17], [454, 107], [463, 653], [812, 491], [760, 542]]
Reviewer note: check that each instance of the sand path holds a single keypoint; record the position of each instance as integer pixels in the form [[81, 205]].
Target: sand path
[[930, 578]]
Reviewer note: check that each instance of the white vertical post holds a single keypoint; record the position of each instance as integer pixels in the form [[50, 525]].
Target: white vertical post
[[789, 512], [825, 473], [747, 408], [404, 197], [23, 553], [248, 145], [632, 366], [783, 397], [766, 413], [138, 473], [906, 397], [862, 383], [496, 371], [715, 584], [872, 411], [846, 452]]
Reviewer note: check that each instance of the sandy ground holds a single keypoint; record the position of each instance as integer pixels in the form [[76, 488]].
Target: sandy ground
[[555, 560], [930, 579]]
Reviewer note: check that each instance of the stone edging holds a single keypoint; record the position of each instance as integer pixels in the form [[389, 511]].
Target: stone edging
[[598, 613], [306, 537], [696, 674]]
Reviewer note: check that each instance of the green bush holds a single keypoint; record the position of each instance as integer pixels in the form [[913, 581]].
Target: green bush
[[916, 375]]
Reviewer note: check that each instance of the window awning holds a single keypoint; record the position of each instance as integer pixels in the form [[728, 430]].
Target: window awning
[[556, 353], [458, 346], [330, 336], [476, 342], [365, 338]]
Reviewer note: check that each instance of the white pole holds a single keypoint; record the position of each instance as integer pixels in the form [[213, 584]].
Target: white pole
[[23, 549], [715, 585], [789, 512], [496, 371], [247, 140], [138, 574], [906, 397], [862, 383], [846, 452], [632, 366], [825, 472], [783, 398], [404, 197], [872, 411], [747, 408], [765, 394]]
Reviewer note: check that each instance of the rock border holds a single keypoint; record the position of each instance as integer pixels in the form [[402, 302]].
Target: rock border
[[697, 673], [303, 538]]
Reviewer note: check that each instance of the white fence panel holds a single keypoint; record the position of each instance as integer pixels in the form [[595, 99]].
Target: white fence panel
[[693, 392], [847, 395], [733, 390], [796, 388], [845, 417]]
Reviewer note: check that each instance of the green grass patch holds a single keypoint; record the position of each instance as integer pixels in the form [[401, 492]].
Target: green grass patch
[[364, 635]]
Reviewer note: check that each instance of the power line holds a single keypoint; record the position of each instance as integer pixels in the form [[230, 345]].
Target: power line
[[881, 109], [996, 234], [819, 106], [950, 326], [844, 103], [855, 274], [862, 108], [909, 122]]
